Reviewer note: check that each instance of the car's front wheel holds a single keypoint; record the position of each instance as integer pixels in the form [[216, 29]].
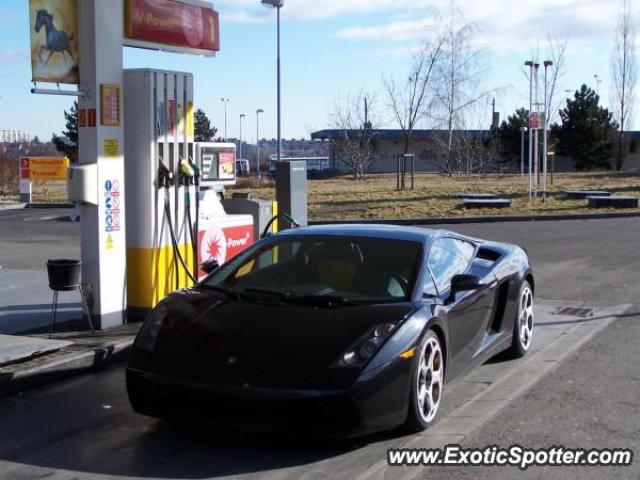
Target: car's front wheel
[[524, 322], [427, 383]]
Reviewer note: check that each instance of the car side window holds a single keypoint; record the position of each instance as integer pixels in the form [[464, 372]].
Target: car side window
[[429, 287], [449, 257]]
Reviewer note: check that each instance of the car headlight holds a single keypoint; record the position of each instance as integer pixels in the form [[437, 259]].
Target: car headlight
[[366, 347], [148, 335]]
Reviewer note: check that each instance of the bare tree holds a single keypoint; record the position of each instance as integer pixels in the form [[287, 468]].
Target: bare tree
[[457, 77], [409, 102], [557, 50], [624, 73], [353, 145]]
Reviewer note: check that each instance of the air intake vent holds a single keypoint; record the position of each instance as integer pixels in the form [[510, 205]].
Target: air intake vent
[[487, 254], [574, 312]]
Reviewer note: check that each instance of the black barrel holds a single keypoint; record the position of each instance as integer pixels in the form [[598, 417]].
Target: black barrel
[[64, 275]]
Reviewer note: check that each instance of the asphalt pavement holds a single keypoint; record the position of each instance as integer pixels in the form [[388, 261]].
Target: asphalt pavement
[[84, 428], [28, 238]]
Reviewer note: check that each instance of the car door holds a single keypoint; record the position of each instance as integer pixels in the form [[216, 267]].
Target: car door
[[468, 314]]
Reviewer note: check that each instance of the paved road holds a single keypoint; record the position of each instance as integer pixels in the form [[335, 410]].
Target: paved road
[[84, 427], [596, 261], [574, 260], [28, 238]]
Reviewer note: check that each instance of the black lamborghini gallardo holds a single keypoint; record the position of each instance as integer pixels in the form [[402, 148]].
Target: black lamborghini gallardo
[[333, 329]]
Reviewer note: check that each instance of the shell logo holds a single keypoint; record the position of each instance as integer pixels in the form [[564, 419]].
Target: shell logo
[[214, 245]]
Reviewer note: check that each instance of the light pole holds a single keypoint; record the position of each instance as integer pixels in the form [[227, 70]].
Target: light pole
[[258, 112], [225, 101], [530, 64], [598, 83], [278, 4], [523, 130], [242, 115], [547, 64], [536, 141]]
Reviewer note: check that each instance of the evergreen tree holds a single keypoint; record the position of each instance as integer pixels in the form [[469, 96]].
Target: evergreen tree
[[204, 132], [68, 142], [587, 132], [509, 136]]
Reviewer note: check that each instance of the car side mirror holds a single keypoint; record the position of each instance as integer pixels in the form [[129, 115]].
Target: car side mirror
[[210, 265], [463, 283]]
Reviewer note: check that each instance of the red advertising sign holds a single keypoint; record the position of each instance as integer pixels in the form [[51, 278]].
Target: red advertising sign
[[223, 243], [91, 117], [171, 111], [25, 172], [172, 25], [226, 165], [535, 121]]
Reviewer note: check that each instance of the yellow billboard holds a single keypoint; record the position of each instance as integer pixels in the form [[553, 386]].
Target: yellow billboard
[[54, 41], [43, 168]]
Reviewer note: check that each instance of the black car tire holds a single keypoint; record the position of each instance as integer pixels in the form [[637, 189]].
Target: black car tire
[[521, 341], [140, 401], [417, 421]]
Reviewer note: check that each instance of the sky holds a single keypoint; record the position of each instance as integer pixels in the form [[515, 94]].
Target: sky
[[331, 48]]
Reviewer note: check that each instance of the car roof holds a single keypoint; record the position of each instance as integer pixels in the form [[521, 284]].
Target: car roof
[[395, 232]]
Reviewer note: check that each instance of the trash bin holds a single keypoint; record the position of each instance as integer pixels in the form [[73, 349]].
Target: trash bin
[[64, 276]]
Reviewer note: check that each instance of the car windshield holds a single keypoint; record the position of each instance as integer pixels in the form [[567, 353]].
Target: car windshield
[[322, 270]]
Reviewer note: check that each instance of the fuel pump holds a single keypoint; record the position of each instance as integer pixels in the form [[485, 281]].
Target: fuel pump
[[175, 220], [220, 236]]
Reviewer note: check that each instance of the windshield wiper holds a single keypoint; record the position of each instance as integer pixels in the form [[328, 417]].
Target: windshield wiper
[[219, 288], [266, 291], [307, 300], [320, 300]]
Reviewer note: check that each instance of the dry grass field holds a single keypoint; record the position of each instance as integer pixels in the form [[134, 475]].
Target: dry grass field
[[434, 195], [342, 198]]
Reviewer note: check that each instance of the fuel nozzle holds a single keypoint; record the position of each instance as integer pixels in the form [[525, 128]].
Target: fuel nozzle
[[187, 174], [196, 172], [165, 177]]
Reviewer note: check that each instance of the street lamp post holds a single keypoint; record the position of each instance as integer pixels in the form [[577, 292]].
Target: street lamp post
[[225, 101], [598, 83], [530, 64], [547, 64], [523, 130], [242, 115], [278, 4], [258, 112], [536, 141]]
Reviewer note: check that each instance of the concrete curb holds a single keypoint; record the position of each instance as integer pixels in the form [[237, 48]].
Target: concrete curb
[[48, 205], [64, 366], [487, 219]]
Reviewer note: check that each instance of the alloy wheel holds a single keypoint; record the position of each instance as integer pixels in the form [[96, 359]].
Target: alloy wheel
[[526, 318], [430, 379]]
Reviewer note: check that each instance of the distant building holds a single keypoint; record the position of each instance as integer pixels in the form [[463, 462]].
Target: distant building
[[291, 148], [632, 158], [388, 144], [14, 136]]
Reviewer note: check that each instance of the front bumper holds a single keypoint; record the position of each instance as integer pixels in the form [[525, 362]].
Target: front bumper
[[377, 404]]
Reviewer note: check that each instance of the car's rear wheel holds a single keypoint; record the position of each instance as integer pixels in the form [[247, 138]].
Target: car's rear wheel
[[427, 383], [524, 322]]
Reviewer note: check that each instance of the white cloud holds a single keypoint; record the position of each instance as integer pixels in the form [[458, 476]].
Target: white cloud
[[13, 55], [398, 30], [318, 9], [502, 24], [505, 25]]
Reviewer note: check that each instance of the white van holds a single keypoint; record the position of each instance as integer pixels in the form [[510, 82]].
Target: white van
[[242, 167]]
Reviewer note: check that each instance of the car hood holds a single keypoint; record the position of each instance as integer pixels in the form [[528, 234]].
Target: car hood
[[213, 338]]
